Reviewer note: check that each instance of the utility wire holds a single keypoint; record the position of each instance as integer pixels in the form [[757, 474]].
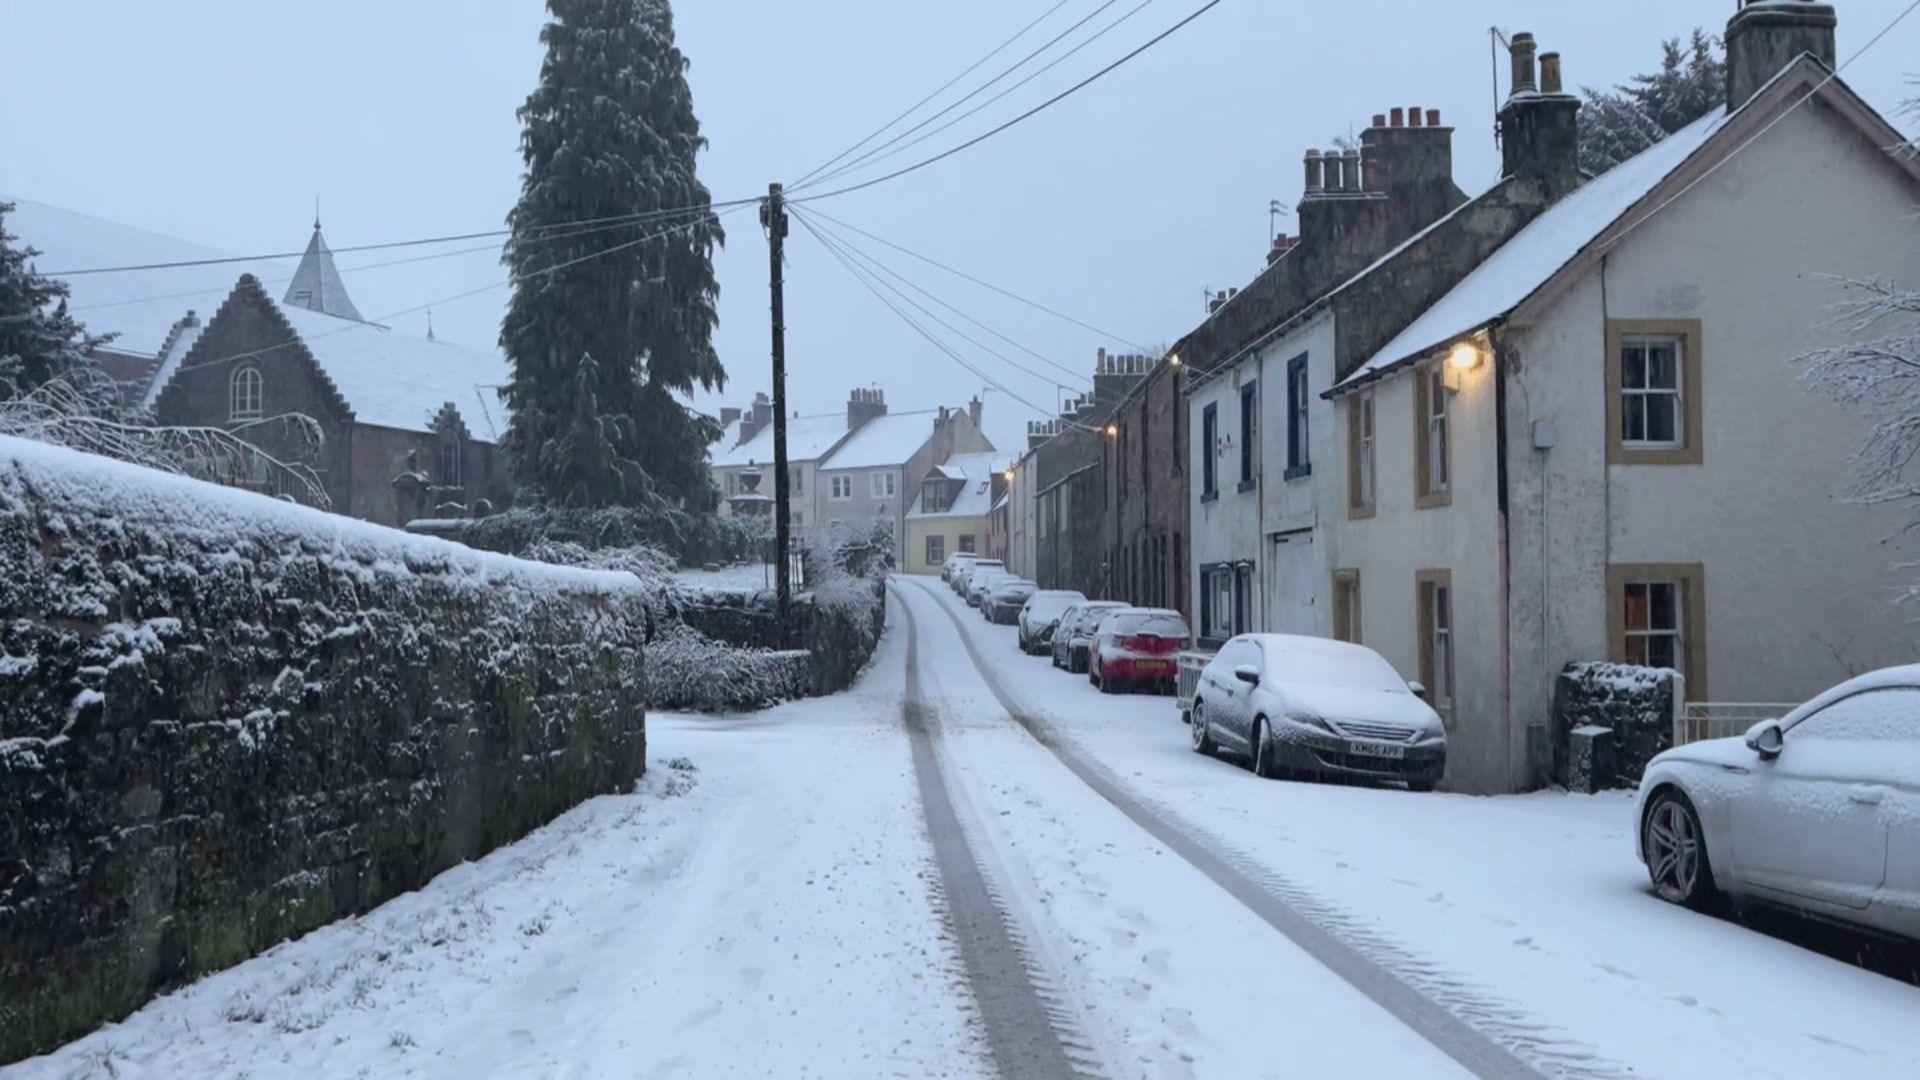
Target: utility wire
[[988, 285], [878, 155], [511, 280], [420, 242], [976, 91], [868, 258], [932, 339], [948, 85], [1043, 106]]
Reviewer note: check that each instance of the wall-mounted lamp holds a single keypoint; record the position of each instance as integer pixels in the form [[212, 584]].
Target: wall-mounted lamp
[[1463, 358], [1009, 475], [1174, 360], [1113, 431]]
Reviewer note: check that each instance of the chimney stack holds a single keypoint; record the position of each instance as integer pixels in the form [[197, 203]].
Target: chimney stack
[[1540, 126], [1765, 36], [864, 404], [973, 410]]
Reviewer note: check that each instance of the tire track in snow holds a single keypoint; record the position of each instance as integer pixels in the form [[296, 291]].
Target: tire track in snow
[[1028, 1032], [1492, 1038]]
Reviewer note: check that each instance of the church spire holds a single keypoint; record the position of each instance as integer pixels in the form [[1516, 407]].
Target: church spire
[[316, 285]]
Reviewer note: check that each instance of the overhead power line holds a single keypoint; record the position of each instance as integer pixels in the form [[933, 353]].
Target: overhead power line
[[988, 285], [614, 221], [1036, 110], [948, 85], [879, 154], [976, 91]]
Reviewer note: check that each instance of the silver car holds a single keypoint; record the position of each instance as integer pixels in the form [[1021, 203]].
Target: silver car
[[1073, 641], [963, 574], [981, 581], [1818, 811], [1041, 616], [1006, 599], [1318, 707]]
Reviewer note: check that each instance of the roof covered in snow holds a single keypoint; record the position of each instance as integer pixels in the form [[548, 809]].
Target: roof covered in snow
[[316, 283], [1539, 251], [140, 306], [809, 438], [883, 441], [396, 380], [976, 497]]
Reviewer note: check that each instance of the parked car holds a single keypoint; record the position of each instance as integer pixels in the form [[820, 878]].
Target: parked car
[[1135, 647], [953, 564], [1074, 638], [1041, 615], [982, 581], [1317, 706], [963, 574], [1006, 598], [1818, 811]]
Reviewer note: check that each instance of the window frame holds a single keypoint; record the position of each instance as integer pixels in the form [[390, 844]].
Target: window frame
[[834, 490], [1430, 588], [1690, 335], [874, 485], [1210, 459], [936, 549], [968, 543], [1691, 609], [1347, 624], [1363, 439], [1249, 435], [450, 448], [1431, 410], [1299, 419], [251, 377]]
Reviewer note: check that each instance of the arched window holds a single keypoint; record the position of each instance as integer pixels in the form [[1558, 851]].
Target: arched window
[[450, 453], [245, 399]]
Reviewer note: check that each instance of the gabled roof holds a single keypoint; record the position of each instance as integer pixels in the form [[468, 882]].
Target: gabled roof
[[386, 378], [975, 473], [884, 441], [809, 438], [316, 284], [1591, 219]]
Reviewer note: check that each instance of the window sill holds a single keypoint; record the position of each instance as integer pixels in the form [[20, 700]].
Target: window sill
[[1248, 485], [1299, 472], [1618, 454], [1360, 513], [1209, 496], [1434, 501]]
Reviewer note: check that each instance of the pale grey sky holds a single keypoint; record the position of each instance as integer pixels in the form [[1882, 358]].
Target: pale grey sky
[[220, 121]]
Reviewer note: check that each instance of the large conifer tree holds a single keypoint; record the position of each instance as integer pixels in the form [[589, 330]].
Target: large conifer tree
[[1616, 124], [39, 339], [610, 131]]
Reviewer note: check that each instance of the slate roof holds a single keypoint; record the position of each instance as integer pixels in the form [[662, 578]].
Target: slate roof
[[976, 497], [316, 284], [809, 438], [883, 441]]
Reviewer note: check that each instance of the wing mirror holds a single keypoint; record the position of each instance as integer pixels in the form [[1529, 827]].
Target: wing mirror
[[1767, 738], [1419, 689], [1248, 674]]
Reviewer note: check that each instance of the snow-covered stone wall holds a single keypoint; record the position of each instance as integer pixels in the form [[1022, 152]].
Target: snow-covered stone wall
[[226, 720]]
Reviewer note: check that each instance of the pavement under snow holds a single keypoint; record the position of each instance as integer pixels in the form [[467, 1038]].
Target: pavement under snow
[[772, 902]]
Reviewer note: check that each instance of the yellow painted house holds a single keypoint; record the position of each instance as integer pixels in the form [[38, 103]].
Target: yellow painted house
[[950, 512]]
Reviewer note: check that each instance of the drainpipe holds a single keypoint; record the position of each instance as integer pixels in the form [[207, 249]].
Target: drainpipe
[[1506, 548]]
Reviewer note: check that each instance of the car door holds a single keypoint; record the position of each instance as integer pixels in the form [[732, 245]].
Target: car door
[[1897, 905], [1227, 698], [1812, 824]]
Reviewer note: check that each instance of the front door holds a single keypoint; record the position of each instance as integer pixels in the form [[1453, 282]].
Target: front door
[[1293, 601]]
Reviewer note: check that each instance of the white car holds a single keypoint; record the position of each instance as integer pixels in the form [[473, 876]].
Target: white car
[[1818, 811], [1318, 707], [963, 574], [954, 563], [981, 583]]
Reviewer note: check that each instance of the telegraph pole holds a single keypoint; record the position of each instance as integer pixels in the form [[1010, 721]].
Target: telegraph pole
[[773, 217]]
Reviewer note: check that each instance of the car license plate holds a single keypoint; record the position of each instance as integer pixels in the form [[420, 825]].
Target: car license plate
[[1380, 750]]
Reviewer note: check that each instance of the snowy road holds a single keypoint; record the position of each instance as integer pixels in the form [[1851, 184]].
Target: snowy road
[[974, 865]]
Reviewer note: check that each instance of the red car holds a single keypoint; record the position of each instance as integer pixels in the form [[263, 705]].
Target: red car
[[1137, 647]]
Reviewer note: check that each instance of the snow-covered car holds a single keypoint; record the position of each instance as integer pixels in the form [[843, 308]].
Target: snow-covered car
[[1315, 706], [1006, 598], [1135, 647], [1817, 811], [1040, 616], [1075, 636], [953, 564], [963, 574], [981, 582]]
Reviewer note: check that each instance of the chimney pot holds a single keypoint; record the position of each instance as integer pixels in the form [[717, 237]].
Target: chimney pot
[[1399, 117], [1379, 120], [1413, 116], [1523, 49], [1550, 73], [1350, 169], [1313, 171], [1433, 118]]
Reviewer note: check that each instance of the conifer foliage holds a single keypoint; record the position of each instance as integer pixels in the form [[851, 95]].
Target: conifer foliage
[[39, 340], [1616, 124], [602, 349]]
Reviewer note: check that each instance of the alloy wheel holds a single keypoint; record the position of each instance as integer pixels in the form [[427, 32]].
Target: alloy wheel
[[1675, 851]]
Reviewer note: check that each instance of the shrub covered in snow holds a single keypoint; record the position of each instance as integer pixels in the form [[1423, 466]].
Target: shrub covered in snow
[[694, 539], [229, 719], [688, 671]]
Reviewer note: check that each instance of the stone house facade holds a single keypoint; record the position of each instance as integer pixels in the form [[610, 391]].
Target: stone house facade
[[1596, 445]]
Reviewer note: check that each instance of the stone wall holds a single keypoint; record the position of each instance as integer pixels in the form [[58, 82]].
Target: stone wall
[[229, 720], [1633, 706], [838, 627]]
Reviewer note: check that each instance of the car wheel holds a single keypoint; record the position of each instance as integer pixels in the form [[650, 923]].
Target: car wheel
[[1420, 786], [1202, 733], [1263, 766], [1676, 850]]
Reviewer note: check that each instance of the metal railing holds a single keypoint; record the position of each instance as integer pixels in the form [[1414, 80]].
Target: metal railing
[[1187, 682], [1696, 721]]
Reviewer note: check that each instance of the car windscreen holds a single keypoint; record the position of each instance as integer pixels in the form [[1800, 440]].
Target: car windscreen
[[1331, 664], [1171, 626], [1047, 607]]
